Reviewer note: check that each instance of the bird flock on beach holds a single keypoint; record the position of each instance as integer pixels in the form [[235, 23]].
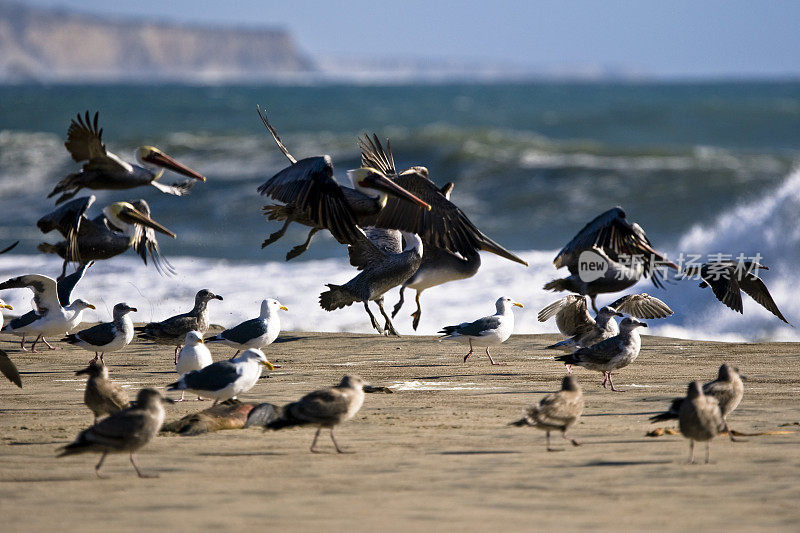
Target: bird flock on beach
[[401, 230]]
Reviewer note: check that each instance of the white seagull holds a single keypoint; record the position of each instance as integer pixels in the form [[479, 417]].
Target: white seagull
[[486, 331], [225, 380], [108, 336], [256, 332], [193, 356]]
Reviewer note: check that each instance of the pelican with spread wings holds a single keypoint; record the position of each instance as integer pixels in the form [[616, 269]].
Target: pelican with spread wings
[[105, 170], [408, 202], [121, 225]]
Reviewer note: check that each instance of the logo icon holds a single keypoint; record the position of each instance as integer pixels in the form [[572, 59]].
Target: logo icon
[[591, 266]]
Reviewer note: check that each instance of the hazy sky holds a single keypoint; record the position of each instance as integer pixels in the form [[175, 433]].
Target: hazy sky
[[660, 37]]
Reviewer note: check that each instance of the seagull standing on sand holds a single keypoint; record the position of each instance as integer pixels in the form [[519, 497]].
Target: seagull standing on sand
[[574, 321], [727, 389], [225, 380], [557, 411], [256, 332], [53, 314], [102, 396], [611, 354], [700, 418], [193, 356], [125, 431], [486, 331], [108, 336], [325, 408], [173, 330]]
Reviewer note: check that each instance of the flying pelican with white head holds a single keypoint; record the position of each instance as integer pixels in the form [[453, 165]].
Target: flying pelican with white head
[[105, 170]]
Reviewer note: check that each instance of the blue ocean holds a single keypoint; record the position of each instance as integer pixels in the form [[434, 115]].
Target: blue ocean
[[705, 168]]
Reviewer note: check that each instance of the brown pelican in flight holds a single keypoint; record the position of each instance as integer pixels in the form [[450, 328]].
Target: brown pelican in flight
[[608, 255], [105, 170], [122, 225], [408, 201]]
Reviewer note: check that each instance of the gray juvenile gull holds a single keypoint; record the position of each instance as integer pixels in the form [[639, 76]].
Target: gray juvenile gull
[[172, 331], [700, 418], [408, 201], [384, 264], [9, 369], [728, 279], [102, 396], [53, 313], [124, 432], [727, 389], [325, 408], [574, 321], [557, 411], [225, 380], [256, 332], [105, 170], [621, 245], [121, 225], [611, 354], [193, 356], [486, 331], [439, 266], [108, 336]]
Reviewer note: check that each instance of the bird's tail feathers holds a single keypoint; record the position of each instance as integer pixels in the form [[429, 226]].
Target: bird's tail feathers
[[567, 344], [335, 298], [47, 248], [557, 285]]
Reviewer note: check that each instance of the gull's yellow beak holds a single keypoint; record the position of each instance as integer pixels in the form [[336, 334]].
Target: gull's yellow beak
[[6, 306], [90, 306], [201, 341], [268, 365], [518, 304], [283, 307]]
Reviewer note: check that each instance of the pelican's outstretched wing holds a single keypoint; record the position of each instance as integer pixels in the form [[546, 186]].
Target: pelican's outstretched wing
[[145, 243], [443, 226], [309, 185], [85, 139]]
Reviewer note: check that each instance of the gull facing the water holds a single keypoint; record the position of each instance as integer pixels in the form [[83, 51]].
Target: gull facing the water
[[700, 418], [557, 411], [172, 331], [108, 336], [193, 356], [727, 389], [611, 354], [126, 431], [256, 332], [102, 396], [486, 331], [325, 408], [225, 380]]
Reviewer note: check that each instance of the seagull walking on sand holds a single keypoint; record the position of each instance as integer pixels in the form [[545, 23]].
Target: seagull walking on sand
[[486, 331], [611, 354], [193, 356], [325, 408], [557, 411], [256, 332], [727, 389], [700, 418], [126, 431], [108, 336], [225, 380], [102, 396]]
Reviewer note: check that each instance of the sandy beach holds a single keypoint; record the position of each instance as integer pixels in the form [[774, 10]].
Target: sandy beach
[[435, 454]]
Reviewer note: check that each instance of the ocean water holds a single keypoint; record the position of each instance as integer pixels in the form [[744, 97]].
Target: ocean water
[[704, 168]]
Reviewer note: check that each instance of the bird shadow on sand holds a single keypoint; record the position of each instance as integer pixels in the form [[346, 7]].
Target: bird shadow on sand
[[293, 338], [239, 454], [480, 452], [627, 463]]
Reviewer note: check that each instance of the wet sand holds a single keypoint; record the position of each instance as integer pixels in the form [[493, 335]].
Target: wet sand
[[436, 454]]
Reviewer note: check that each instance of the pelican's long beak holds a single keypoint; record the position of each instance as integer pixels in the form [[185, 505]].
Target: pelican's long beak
[[140, 218], [163, 160], [268, 365], [379, 182], [284, 308], [518, 304]]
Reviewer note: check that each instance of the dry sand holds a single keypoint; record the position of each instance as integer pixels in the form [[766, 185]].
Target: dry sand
[[436, 454]]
